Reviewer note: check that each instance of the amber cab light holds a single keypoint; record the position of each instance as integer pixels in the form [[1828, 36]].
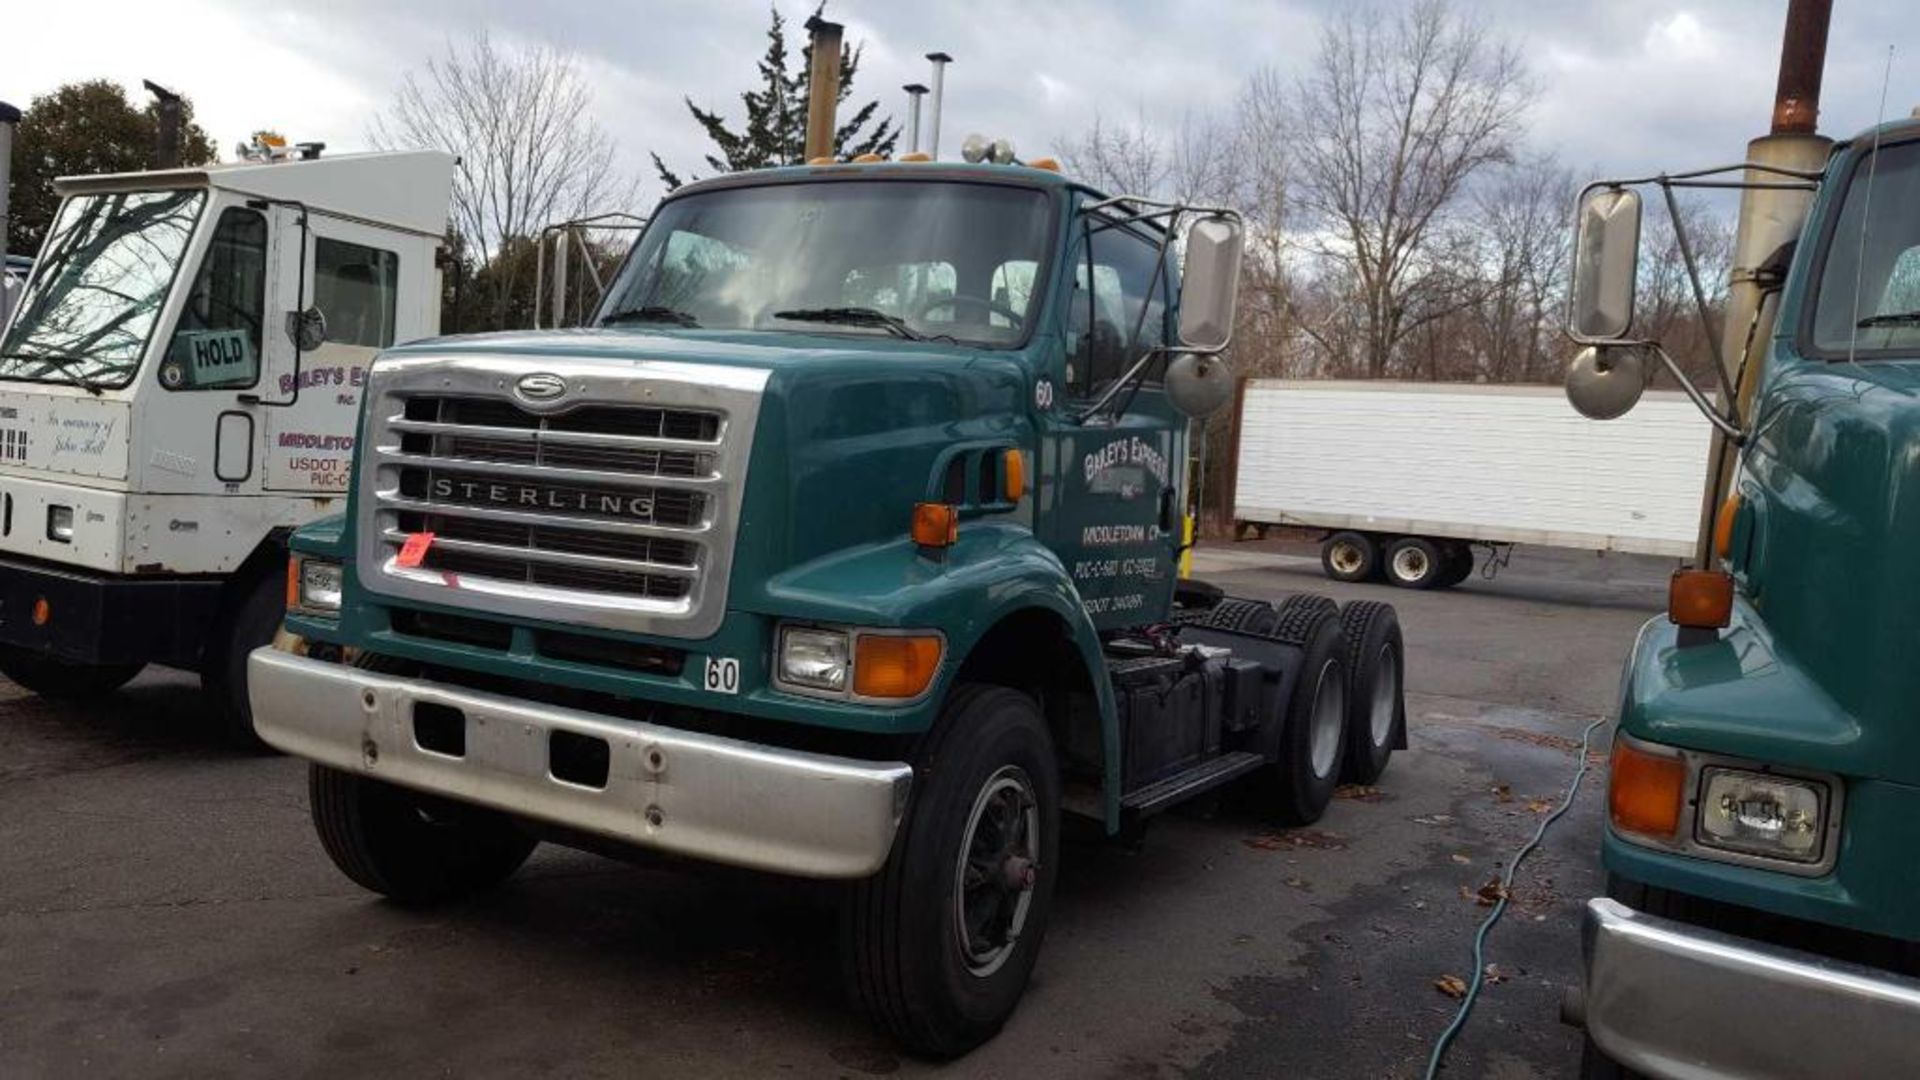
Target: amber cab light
[[1723, 526], [894, 665], [935, 524], [1016, 475], [1645, 791], [1701, 599]]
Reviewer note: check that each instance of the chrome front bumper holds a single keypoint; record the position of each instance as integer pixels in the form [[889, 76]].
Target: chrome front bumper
[[1677, 1001], [697, 795]]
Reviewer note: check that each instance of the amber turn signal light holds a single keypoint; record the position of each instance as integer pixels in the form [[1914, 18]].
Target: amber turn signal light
[[42, 611], [293, 582], [894, 665], [1645, 790], [1016, 466], [935, 524], [1701, 599], [1723, 526]]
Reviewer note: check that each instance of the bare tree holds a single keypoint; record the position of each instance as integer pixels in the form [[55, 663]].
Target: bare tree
[[1399, 112], [530, 153]]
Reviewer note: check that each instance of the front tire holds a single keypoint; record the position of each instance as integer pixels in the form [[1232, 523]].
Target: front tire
[[414, 849], [63, 680], [940, 943], [246, 626]]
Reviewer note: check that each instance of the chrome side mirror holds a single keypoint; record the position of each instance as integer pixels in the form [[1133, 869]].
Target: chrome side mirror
[[1198, 384], [1604, 382], [1606, 259], [1210, 283]]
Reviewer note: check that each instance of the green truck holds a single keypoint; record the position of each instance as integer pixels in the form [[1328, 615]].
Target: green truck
[[842, 546], [1763, 845]]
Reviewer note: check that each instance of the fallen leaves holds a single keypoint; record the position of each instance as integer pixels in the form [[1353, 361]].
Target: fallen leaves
[[1451, 985], [1539, 806], [1359, 793], [1491, 893], [1296, 840], [1461, 859], [1502, 793]]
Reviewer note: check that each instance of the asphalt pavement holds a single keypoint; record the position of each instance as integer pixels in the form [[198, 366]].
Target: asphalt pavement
[[166, 911]]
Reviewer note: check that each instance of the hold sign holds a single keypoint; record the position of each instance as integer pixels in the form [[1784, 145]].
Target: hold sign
[[215, 357]]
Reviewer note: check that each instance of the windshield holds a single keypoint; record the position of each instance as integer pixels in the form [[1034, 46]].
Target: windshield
[[947, 260], [103, 277], [1869, 299]]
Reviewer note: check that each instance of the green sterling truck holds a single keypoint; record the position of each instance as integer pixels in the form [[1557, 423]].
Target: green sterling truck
[[841, 546], [1763, 846]]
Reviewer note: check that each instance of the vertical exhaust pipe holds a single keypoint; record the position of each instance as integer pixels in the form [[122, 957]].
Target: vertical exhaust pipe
[[915, 92], [823, 86], [940, 62], [9, 116], [1768, 219], [166, 151]]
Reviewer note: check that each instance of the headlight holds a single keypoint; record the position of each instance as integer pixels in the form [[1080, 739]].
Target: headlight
[[814, 658], [1772, 816], [314, 585], [60, 524]]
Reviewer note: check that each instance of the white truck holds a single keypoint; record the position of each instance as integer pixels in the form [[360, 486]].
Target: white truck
[[179, 388], [1406, 477]]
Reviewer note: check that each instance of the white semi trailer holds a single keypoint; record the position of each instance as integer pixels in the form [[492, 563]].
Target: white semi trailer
[[1404, 478], [179, 388]]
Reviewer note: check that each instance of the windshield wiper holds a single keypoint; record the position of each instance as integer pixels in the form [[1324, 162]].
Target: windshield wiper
[[61, 364], [853, 316], [659, 313], [1898, 318]]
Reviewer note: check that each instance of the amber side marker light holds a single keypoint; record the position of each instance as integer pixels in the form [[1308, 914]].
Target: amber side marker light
[[42, 612], [1723, 526], [293, 583], [935, 525], [1645, 791], [1700, 599], [1016, 468], [894, 665]]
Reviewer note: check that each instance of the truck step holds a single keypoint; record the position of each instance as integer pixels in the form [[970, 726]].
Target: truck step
[[1187, 783]]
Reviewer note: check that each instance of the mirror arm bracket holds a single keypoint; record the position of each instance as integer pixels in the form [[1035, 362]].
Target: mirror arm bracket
[[1729, 425]]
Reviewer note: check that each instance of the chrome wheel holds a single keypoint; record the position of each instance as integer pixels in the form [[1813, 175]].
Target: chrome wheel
[[1386, 695], [993, 883], [1329, 718], [1411, 564]]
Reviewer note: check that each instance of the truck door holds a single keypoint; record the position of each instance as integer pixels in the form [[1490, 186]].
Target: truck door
[[353, 279], [1111, 506], [197, 433]]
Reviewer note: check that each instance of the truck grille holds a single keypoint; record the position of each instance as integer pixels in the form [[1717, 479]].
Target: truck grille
[[592, 510]]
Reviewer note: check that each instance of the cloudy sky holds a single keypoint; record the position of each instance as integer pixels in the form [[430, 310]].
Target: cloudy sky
[[1625, 85]]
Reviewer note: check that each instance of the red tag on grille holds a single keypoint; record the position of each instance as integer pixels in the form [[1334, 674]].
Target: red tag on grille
[[414, 551]]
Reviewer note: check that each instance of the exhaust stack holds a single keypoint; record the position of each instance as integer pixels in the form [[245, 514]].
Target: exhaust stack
[[940, 62], [1768, 219], [9, 116], [823, 86], [166, 151], [915, 92]]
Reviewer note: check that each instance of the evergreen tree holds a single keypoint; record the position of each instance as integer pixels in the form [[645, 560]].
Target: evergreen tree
[[775, 131]]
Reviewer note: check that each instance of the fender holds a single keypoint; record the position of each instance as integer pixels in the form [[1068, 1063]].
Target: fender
[[994, 570]]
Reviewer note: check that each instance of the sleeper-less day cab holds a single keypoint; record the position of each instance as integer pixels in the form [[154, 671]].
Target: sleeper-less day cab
[[842, 547], [179, 387]]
